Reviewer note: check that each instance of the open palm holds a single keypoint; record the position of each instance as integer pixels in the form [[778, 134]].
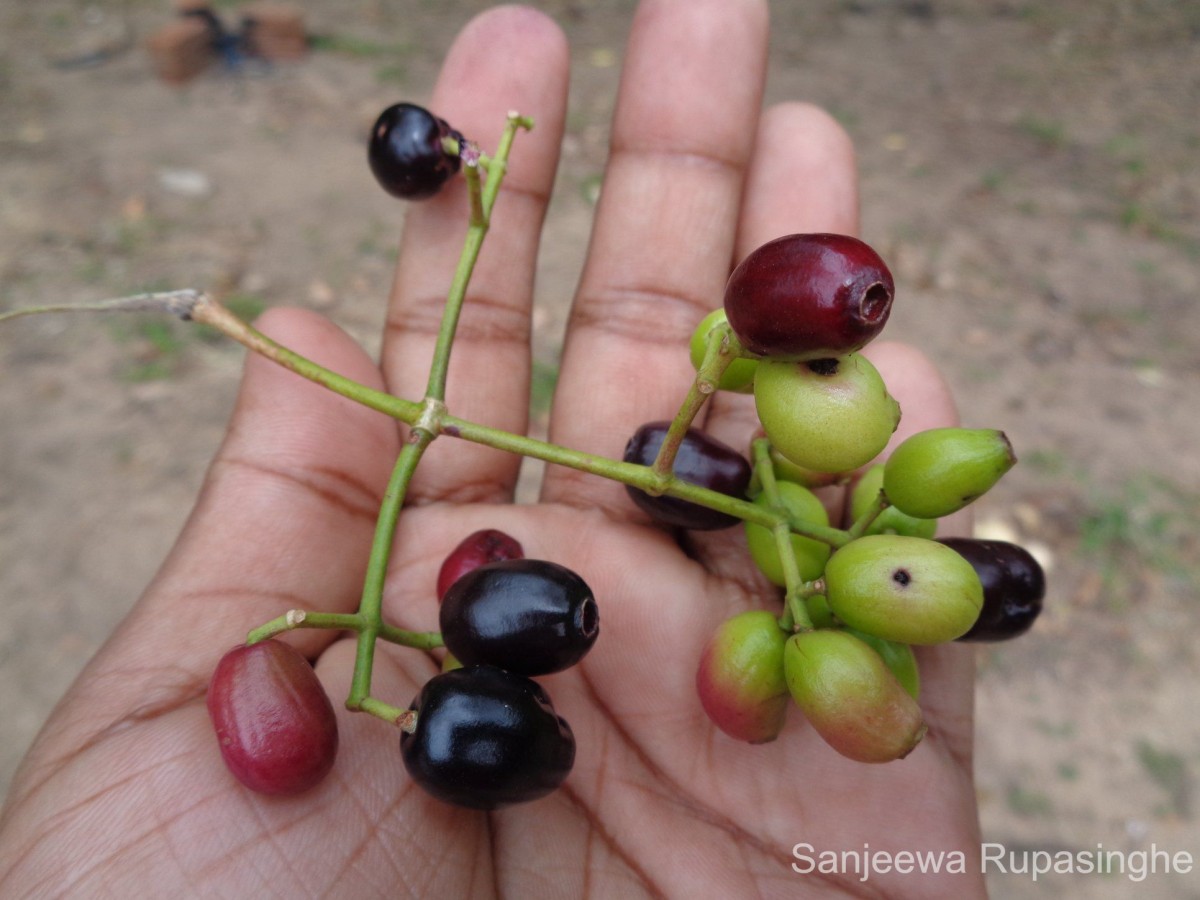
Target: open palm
[[124, 793]]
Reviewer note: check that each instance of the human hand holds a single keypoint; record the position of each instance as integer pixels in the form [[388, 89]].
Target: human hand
[[124, 792]]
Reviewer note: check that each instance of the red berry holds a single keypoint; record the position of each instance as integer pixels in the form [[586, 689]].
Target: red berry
[[475, 550], [809, 296], [275, 725]]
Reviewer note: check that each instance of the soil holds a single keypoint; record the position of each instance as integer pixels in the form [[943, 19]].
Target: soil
[[1028, 169]]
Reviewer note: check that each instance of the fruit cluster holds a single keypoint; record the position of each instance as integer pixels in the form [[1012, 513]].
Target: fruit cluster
[[856, 595]]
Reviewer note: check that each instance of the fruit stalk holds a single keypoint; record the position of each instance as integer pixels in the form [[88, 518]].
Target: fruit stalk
[[795, 617]]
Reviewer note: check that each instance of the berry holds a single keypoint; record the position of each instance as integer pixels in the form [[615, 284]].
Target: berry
[[528, 616], [740, 677], [809, 296], [739, 376], [899, 658], [1013, 587], [486, 738], [802, 504], [904, 589], [891, 520], [786, 470], [828, 415], [850, 696], [275, 725], [937, 472], [406, 153], [702, 461], [475, 550]]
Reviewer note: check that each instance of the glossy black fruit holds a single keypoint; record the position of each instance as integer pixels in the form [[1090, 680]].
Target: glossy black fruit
[[406, 153], [1013, 587], [702, 461], [529, 616], [486, 738]]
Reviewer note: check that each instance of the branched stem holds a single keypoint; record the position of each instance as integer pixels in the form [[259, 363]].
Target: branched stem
[[795, 616]]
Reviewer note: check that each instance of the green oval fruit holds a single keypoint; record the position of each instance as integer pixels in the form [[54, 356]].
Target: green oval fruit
[[786, 470], [802, 504], [899, 658], [937, 472], [740, 677], [851, 697], [891, 520], [904, 589], [739, 376], [828, 415]]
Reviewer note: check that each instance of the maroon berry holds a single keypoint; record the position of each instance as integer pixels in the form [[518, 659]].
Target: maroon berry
[[1013, 587], [275, 725], [809, 296], [475, 550], [406, 153], [702, 461]]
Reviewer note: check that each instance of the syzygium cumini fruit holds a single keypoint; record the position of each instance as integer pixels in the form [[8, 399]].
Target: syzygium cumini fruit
[[739, 375], [800, 503], [740, 677], [851, 697], [904, 589], [937, 472], [828, 415], [891, 520]]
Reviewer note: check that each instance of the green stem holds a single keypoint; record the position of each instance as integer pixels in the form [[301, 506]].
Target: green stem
[[796, 588], [717, 357], [301, 618], [863, 522]]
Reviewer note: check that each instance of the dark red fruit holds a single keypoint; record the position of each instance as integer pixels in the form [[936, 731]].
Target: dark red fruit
[[528, 616], [486, 738], [275, 725], [1013, 587], [406, 153], [809, 296], [477, 549], [702, 461]]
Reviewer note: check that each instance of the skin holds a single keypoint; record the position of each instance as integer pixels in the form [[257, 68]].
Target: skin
[[123, 793]]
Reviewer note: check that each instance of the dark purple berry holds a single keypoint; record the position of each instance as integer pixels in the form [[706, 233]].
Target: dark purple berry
[[406, 153], [529, 616], [275, 725], [486, 738], [1013, 587], [809, 296], [475, 550], [701, 460]]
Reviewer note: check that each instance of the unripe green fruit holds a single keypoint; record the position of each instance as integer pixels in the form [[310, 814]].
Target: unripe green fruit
[[740, 677], [786, 470], [891, 520], [904, 589], [739, 376], [802, 504], [899, 658], [828, 415], [938, 472], [851, 697]]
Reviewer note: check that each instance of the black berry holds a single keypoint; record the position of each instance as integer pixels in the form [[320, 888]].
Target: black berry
[[1013, 587], [406, 153], [529, 616], [486, 738]]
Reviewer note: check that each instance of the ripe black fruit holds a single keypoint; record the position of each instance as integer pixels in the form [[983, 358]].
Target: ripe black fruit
[[1013, 587], [529, 616], [701, 460], [486, 738], [406, 153]]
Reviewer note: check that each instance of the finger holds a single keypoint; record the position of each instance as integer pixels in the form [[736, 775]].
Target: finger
[[284, 521], [664, 233], [510, 58], [803, 178]]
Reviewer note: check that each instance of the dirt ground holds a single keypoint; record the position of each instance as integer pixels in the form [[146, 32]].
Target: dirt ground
[[1028, 169]]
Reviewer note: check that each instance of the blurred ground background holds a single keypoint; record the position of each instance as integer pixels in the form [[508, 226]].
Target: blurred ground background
[[1029, 170]]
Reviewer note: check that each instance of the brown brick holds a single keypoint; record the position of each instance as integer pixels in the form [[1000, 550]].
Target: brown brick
[[180, 50], [275, 30]]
